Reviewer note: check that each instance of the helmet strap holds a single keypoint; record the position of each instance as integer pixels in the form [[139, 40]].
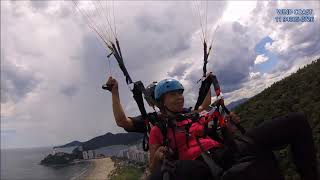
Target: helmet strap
[[171, 112]]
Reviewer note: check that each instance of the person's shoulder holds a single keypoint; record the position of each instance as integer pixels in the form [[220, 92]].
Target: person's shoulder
[[138, 124]]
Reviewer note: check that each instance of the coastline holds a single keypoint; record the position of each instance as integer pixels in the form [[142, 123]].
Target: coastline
[[99, 169]]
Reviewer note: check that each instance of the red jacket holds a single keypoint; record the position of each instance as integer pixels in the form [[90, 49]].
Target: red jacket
[[185, 153]]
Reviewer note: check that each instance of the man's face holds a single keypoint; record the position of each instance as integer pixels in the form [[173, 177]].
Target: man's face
[[174, 101]]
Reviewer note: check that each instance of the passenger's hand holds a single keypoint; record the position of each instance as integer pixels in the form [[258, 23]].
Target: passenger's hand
[[113, 84], [160, 153], [232, 116], [232, 119]]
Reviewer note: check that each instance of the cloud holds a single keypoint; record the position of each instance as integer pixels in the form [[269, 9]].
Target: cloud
[[39, 4], [16, 81], [149, 24], [268, 46], [179, 70], [254, 75], [232, 58], [69, 90], [261, 59], [294, 45], [291, 41]]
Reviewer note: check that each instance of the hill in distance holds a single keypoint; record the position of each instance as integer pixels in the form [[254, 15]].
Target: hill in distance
[[107, 139], [234, 104]]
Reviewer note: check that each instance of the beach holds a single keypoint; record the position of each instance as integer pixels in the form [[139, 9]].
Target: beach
[[100, 169]]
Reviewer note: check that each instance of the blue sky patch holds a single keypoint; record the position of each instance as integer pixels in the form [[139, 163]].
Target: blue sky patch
[[260, 49]]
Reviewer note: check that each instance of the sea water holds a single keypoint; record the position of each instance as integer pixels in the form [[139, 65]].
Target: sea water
[[25, 164]]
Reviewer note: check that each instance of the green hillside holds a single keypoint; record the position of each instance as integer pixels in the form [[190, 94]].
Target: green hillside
[[299, 92]]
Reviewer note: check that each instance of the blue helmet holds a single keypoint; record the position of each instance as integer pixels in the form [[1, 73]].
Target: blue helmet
[[165, 86]]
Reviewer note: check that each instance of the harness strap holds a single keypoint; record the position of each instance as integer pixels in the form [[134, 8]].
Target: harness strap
[[215, 169], [187, 128], [205, 86], [168, 165]]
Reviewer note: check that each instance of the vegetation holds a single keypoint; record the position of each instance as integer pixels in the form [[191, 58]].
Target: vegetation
[[300, 92], [57, 159], [125, 170], [111, 139], [128, 173]]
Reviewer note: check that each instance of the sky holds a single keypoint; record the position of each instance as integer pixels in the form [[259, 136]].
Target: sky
[[53, 64]]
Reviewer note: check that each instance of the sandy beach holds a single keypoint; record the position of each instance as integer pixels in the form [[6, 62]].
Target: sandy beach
[[100, 169]]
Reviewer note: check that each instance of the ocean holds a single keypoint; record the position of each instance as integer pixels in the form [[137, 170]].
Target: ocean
[[25, 164]]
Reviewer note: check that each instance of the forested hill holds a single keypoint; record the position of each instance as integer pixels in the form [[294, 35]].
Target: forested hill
[[111, 139], [107, 139], [299, 92]]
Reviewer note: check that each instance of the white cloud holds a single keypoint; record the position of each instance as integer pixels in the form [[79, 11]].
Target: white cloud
[[268, 46], [261, 59], [238, 10], [254, 75], [294, 44]]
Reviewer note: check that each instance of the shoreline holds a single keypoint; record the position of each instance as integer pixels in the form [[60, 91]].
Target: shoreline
[[98, 169], [83, 173]]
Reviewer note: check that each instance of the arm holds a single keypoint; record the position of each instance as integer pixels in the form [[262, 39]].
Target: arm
[[230, 126], [121, 119]]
